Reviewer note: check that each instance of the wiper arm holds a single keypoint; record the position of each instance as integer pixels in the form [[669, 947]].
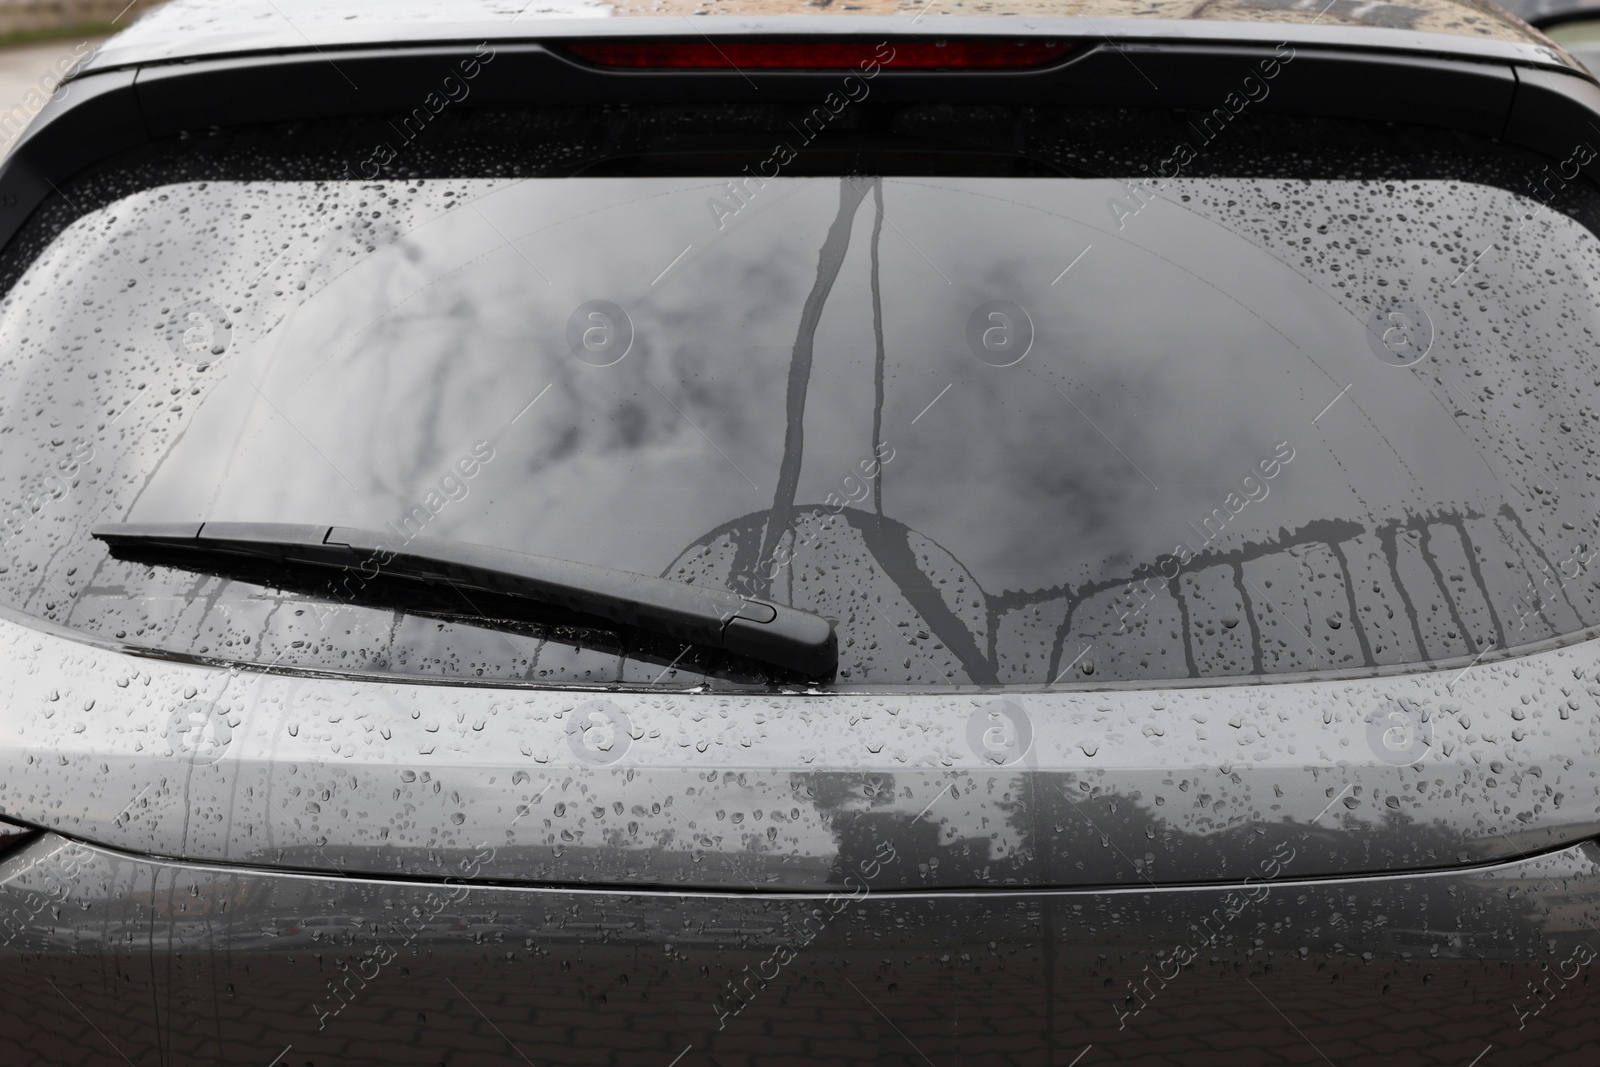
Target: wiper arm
[[771, 633]]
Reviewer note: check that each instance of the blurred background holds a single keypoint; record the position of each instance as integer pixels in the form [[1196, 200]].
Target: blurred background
[[40, 40]]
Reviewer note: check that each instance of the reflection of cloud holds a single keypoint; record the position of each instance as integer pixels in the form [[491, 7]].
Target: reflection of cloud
[[1191, 345], [443, 332]]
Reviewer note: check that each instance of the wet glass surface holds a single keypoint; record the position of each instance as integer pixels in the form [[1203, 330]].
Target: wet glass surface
[[1003, 426]]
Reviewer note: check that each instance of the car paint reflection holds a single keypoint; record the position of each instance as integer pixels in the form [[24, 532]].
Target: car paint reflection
[[196, 966]]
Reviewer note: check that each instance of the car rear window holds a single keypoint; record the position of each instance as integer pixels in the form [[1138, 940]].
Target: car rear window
[[1017, 396]]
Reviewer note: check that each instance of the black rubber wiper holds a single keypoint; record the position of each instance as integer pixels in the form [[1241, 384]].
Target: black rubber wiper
[[771, 633]]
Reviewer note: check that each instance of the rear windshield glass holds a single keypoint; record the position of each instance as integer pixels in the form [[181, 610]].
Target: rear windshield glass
[[970, 383]]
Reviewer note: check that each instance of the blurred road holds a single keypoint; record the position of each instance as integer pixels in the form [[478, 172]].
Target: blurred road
[[29, 74]]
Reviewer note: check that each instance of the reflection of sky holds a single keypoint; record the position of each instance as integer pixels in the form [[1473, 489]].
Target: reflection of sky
[[1176, 353]]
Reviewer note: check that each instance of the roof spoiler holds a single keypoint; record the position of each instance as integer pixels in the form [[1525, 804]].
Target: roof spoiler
[[95, 116]]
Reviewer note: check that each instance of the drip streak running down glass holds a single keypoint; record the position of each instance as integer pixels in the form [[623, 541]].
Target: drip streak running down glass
[[915, 384]]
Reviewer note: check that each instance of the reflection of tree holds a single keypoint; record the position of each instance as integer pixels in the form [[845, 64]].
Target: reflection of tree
[[864, 557], [894, 583], [1060, 833], [871, 565], [829, 260], [1074, 833], [857, 807]]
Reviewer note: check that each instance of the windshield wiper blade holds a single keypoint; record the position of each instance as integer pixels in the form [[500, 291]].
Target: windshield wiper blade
[[771, 633]]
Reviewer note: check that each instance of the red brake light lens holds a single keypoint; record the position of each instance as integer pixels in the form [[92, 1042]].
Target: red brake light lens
[[922, 54]]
